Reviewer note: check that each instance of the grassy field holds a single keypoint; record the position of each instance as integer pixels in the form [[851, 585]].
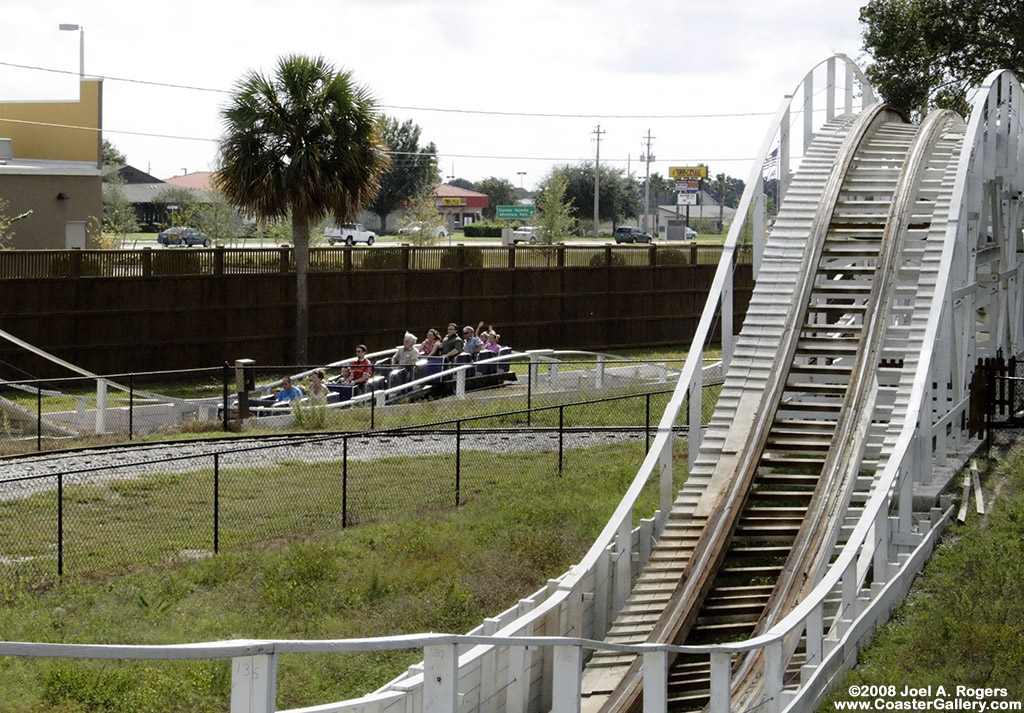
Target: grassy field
[[437, 570], [963, 623]]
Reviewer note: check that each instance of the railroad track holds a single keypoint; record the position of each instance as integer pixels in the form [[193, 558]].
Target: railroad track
[[820, 375]]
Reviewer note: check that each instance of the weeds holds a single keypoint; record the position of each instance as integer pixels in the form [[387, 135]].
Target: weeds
[[963, 623], [438, 568]]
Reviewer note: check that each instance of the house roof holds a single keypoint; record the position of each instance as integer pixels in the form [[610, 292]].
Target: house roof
[[199, 180], [151, 192], [451, 196], [443, 190], [129, 174]]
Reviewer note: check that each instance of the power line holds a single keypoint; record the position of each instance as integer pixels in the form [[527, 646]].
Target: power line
[[399, 154], [443, 110]]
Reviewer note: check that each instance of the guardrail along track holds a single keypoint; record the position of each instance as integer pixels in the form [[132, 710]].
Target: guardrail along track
[[813, 387]]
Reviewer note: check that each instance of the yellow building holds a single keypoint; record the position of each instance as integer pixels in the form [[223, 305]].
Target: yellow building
[[50, 164]]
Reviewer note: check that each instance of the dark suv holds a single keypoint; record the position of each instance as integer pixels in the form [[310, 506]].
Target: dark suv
[[624, 234], [183, 236]]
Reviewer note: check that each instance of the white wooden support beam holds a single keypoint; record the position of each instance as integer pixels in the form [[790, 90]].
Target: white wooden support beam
[[601, 588], [848, 96], [568, 674], [623, 564], [808, 110], [725, 317], [757, 226], [784, 154], [721, 682], [599, 373], [254, 683], [881, 560], [906, 502], [489, 669], [830, 89], [696, 415], [517, 694], [460, 384], [655, 682], [101, 406], [440, 678], [815, 635], [773, 670], [666, 484]]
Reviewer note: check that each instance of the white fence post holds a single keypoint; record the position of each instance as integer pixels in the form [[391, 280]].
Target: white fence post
[[568, 673], [773, 670], [655, 682], [721, 681], [101, 406], [254, 683], [488, 669], [441, 678], [623, 564]]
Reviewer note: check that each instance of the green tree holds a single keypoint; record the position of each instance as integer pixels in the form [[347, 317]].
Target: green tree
[[112, 156], [303, 142], [182, 205], [618, 192], [5, 223], [413, 169], [422, 219], [119, 217], [555, 212], [500, 191], [218, 219], [929, 53], [462, 183], [726, 190]]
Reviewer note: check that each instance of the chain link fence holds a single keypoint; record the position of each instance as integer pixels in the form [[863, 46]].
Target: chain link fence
[[114, 509]]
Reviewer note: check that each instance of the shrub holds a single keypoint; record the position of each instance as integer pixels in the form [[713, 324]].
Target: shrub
[[471, 257], [483, 230], [383, 259], [673, 256], [617, 260], [177, 262]]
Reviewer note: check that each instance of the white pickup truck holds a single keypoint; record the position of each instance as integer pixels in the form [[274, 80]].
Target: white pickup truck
[[349, 233]]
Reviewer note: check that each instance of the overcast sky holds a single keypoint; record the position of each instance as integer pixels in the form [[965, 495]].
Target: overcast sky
[[452, 67]]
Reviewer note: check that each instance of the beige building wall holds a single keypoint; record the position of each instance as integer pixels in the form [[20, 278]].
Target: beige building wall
[[57, 130], [46, 228]]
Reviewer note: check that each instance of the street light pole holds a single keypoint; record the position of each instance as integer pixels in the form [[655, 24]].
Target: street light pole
[[81, 45], [520, 174]]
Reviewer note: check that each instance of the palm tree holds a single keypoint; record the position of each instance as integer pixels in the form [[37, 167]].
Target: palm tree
[[305, 143]]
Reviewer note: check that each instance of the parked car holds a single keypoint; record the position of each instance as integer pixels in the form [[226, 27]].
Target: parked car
[[690, 233], [525, 234], [439, 231], [180, 235], [349, 233], [626, 234]]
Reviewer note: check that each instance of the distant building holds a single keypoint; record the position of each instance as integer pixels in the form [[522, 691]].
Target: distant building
[[153, 199], [50, 165], [459, 206]]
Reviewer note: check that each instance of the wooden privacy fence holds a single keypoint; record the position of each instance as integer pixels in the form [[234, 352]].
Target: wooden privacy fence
[[123, 310]]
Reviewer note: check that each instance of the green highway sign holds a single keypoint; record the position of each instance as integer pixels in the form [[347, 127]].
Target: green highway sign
[[515, 212]]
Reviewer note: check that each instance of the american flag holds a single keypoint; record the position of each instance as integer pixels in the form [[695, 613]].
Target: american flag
[[771, 160]]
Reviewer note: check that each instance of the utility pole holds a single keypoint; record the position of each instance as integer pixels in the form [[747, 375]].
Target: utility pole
[[647, 158], [597, 179]]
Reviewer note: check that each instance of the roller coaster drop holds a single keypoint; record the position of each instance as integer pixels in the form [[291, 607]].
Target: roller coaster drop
[[892, 267], [814, 493]]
